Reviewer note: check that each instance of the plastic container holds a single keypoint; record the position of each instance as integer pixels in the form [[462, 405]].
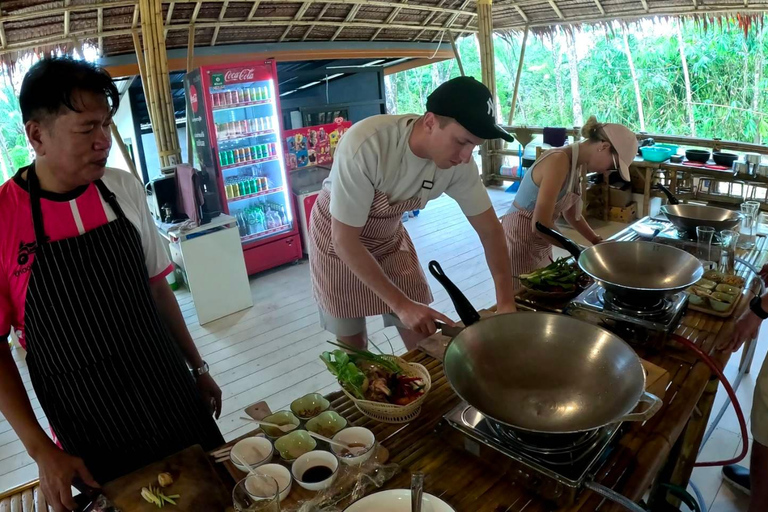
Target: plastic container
[[656, 153]]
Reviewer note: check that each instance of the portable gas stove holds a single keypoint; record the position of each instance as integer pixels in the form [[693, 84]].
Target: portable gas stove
[[556, 473], [647, 324]]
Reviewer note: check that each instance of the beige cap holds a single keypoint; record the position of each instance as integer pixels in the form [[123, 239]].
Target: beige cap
[[624, 142]]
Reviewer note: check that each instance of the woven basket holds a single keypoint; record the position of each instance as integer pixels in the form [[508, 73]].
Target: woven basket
[[391, 413]]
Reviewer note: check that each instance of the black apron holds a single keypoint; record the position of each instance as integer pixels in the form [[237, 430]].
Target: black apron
[[111, 380]]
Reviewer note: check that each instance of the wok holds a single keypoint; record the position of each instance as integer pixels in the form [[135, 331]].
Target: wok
[[634, 272], [543, 373], [686, 217]]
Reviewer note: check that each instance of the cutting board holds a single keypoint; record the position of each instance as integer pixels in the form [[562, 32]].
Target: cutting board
[[194, 479]]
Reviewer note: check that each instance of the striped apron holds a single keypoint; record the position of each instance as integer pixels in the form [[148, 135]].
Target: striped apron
[[527, 250], [111, 380], [337, 290]]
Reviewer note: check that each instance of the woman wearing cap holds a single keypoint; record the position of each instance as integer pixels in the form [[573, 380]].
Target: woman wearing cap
[[551, 187]]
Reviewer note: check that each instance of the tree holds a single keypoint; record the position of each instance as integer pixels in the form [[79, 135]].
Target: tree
[[573, 61], [688, 93], [635, 83]]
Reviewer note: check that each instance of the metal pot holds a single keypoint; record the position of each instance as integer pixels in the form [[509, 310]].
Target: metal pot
[[686, 217], [544, 373], [740, 168], [634, 272]]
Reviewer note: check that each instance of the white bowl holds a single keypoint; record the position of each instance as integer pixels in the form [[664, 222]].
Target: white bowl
[[355, 435], [281, 475], [397, 500], [311, 459], [255, 451]]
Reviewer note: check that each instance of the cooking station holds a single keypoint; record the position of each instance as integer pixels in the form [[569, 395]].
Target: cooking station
[[477, 465]]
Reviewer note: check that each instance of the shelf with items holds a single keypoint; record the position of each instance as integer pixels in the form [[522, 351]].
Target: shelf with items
[[257, 194], [246, 163], [245, 136], [262, 234], [241, 105]]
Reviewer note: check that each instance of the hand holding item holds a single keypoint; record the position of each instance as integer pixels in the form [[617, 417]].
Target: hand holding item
[[211, 393], [58, 470], [421, 318], [746, 328]]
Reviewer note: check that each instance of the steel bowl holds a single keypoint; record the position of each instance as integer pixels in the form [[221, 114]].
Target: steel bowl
[[686, 217]]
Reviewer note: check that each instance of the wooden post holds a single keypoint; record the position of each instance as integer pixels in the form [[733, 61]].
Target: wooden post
[[456, 52], [190, 65], [124, 151], [517, 76], [491, 161]]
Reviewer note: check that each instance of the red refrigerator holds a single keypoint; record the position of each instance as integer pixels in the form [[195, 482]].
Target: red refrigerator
[[234, 114]]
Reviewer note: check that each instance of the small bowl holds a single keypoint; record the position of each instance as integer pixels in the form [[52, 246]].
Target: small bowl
[[255, 451], [355, 435], [719, 306], [697, 155], [723, 158], [327, 423], [279, 418], [706, 284], [309, 406], [294, 445], [723, 297], [655, 153], [736, 281], [726, 288], [714, 276], [312, 459], [281, 475]]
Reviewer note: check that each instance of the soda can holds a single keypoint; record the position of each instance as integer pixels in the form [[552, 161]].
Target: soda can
[[240, 96], [214, 99], [241, 153], [247, 94], [243, 126], [264, 151]]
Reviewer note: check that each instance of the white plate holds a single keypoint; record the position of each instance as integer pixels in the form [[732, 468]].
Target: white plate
[[397, 500]]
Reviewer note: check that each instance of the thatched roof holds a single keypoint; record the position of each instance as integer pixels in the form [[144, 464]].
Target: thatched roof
[[43, 24]]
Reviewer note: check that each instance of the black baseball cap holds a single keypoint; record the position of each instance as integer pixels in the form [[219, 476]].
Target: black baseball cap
[[470, 103]]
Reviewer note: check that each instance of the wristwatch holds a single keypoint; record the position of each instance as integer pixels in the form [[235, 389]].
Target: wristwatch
[[757, 308], [199, 372]]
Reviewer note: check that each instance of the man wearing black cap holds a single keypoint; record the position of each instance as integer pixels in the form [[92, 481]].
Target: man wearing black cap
[[363, 262]]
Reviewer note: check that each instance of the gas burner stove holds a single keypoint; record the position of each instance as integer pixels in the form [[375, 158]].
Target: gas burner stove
[[554, 472], [599, 306]]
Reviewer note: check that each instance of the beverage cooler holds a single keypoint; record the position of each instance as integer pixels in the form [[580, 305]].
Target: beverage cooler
[[234, 113]]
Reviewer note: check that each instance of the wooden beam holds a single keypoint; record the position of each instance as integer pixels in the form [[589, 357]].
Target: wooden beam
[[600, 7], [350, 15], [299, 15], [58, 11], [124, 151], [521, 13], [456, 52], [319, 17], [100, 25], [169, 16], [517, 77], [557, 9], [452, 19], [427, 20], [253, 10], [645, 5], [195, 13], [3, 40], [221, 18], [66, 18], [390, 19], [135, 21]]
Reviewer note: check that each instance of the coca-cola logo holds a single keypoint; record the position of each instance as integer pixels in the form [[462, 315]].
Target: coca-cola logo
[[193, 98], [238, 76]]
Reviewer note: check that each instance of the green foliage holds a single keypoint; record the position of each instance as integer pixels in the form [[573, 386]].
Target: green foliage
[[726, 73], [14, 152]]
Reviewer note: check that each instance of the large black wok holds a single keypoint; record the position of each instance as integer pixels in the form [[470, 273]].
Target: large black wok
[[634, 272], [686, 217], [543, 374]]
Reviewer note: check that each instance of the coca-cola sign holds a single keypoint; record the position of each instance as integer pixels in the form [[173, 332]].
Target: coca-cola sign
[[193, 97], [241, 75]]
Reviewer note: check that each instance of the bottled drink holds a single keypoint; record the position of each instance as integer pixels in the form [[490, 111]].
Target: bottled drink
[[265, 93], [268, 123], [283, 218]]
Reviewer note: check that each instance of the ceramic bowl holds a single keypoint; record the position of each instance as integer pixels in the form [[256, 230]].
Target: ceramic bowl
[[355, 435], [279, 418], [726, 288], [694, 299], [312, 459], [293, 445], [706, 284], [397, 500], [254, 451], [309, 406], [714, 276], [327, 423], [281, 475]]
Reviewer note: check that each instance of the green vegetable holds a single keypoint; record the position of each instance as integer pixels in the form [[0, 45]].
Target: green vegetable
[[349, 375], [560, 274], [364, 355]]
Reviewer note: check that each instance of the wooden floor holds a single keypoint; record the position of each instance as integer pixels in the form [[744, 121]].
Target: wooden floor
[[270, 351]]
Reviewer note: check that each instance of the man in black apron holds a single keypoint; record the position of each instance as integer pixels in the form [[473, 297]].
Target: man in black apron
[[108, 352]]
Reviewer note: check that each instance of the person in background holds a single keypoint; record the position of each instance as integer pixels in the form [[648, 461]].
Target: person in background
[[363, 262], [552, 186], [82, 284], [753, 481]]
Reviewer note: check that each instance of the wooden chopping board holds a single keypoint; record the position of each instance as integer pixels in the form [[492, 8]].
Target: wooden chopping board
[[194, 479]]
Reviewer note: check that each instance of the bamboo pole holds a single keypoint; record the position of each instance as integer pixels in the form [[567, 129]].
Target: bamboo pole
[[456, 52], [517, 77], [167, 98], [142, 73], [124, 151], [490, 161], [635, 83], [154, 86], [190, 66]]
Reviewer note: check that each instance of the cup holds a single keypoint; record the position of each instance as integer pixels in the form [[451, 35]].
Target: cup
[[728, 239], [704, 235], [748, 228], [256, 493]]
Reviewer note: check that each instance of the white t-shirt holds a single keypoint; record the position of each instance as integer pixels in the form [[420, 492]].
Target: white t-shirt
[[375, 155]]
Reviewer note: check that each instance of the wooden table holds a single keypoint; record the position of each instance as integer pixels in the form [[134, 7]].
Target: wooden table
[[663, 449]]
